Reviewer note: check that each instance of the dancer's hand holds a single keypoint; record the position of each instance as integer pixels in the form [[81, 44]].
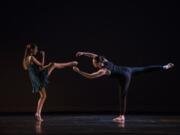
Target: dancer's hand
[[42, 52], [79, 54], [76, 69], [75, 63]]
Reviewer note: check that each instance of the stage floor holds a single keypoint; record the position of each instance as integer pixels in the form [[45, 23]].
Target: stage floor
[[89, 124]]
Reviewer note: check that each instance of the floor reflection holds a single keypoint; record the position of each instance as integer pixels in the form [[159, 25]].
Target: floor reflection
[[38, 127], [121, 125], [89, 124]]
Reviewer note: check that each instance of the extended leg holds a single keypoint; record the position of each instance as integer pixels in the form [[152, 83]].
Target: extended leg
[[152, 68], [147, 69], [61, 66]]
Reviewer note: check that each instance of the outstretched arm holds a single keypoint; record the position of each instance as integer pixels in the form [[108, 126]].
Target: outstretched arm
[[97, 74], [88, 54]]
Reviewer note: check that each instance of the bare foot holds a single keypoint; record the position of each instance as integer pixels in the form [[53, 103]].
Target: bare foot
[[38, 117], [116, 119], [168, 66], [119, 119]]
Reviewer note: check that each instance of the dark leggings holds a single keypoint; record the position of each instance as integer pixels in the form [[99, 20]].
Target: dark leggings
[[124, 82]]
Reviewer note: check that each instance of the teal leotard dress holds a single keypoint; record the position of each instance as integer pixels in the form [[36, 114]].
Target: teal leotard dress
[[38, 78]]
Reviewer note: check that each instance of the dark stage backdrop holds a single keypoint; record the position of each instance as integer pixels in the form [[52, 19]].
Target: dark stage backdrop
[[130, 33]]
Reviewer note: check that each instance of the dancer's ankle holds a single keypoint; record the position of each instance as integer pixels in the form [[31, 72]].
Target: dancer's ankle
[[37, 114]]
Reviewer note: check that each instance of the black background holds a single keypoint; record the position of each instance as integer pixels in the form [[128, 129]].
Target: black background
[[132, 33]]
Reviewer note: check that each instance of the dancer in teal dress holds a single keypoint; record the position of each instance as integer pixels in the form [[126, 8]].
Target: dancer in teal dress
[[39, 78], [39, 73]]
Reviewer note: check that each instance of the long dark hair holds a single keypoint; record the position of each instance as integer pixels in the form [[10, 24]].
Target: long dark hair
[[29, 48]]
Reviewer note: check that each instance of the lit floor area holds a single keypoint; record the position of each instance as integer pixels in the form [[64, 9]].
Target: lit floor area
[[89, 124]]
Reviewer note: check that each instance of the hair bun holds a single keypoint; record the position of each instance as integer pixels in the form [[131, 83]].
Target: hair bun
[[28, 46]]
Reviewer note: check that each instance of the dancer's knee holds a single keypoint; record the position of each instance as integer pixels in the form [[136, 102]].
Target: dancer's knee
[[43, 94], [53, 64]]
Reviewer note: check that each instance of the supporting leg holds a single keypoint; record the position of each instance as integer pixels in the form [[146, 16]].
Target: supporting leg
[[40, 104], [123, 90], [43, 101]]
